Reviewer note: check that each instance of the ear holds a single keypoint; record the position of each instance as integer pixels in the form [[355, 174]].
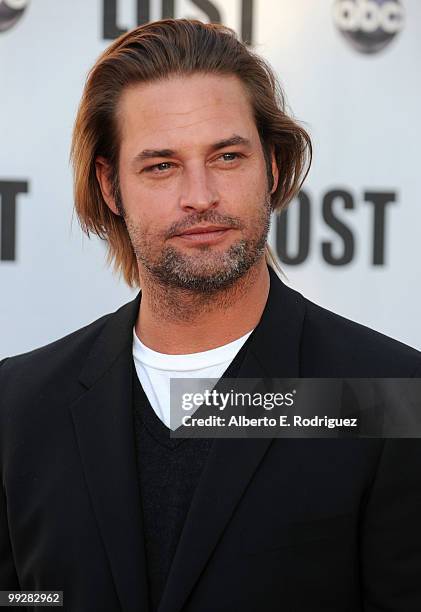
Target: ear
[[103, 175], [275, 171]]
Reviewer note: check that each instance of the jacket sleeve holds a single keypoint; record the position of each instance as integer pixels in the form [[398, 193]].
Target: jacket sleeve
[[8, 576], [391, 531]]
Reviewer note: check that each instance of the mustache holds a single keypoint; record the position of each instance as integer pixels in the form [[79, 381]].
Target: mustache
[[207, 217]]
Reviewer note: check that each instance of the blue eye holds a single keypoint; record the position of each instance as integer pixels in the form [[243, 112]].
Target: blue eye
[[162, 166], [229, 156]]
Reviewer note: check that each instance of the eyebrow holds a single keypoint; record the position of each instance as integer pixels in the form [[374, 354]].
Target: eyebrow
[[230, 142], [165, 153]]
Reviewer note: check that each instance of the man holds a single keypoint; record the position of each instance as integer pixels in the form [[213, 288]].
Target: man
[[181, 151]]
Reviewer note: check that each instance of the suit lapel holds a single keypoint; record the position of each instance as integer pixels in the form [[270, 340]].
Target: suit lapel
[[272, 351], [103, 423]]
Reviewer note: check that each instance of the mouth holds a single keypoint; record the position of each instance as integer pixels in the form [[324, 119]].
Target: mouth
[[204, 234]]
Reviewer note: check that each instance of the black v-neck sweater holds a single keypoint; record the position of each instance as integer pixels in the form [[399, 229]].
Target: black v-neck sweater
[[169, 470]]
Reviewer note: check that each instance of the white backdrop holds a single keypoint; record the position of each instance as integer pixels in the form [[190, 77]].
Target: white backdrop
[[362, 110]]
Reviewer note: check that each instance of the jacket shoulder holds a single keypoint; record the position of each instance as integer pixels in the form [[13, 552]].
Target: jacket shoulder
[[53, 370], [74, 342], [46, 376], [332, 343]]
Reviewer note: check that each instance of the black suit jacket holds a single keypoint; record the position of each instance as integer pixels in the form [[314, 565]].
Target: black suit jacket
[[291, 525]]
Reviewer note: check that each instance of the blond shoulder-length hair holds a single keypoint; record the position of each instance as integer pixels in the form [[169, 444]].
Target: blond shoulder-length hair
[[155, 51]]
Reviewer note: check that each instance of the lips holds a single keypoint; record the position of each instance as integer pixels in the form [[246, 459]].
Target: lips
[[201, 235], [204, 229]]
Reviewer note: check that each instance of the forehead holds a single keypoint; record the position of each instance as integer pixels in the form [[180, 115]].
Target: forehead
[[184, 111]]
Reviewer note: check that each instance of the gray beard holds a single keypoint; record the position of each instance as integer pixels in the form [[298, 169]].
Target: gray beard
[[175, 269]]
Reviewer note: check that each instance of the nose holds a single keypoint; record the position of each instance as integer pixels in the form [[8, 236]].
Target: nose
[[198, 192]]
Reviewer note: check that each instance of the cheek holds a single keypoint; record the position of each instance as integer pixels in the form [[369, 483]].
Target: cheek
[[149, 206], [244, 189]]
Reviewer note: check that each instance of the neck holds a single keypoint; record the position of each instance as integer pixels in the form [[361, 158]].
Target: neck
[[179, 322]]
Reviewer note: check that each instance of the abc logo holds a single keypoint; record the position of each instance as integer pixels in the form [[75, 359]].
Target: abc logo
[[10, 12], [369, 25]]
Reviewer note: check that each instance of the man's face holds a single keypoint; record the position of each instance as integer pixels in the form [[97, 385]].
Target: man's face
[[191, 160]]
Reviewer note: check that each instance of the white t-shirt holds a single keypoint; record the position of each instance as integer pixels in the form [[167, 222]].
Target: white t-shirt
[[155, 370]]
